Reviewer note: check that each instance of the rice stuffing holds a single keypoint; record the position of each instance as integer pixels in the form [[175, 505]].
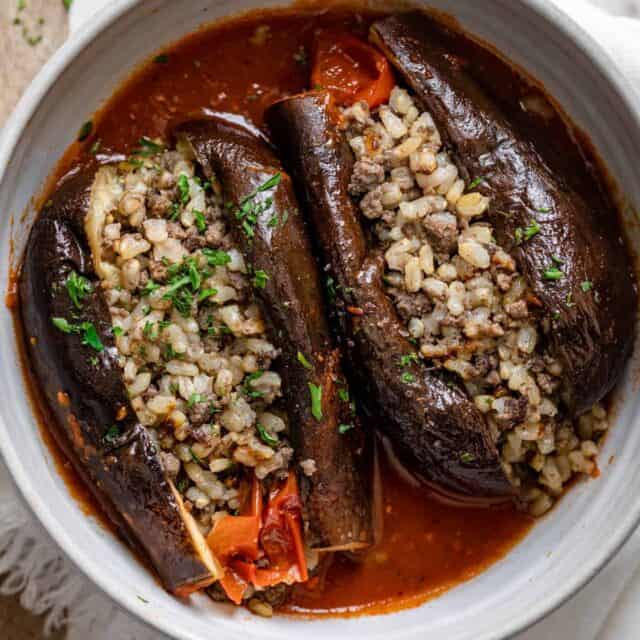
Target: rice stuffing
[[462, 300]]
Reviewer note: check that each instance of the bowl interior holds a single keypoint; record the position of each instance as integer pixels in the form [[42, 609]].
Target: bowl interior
[[559, 554]]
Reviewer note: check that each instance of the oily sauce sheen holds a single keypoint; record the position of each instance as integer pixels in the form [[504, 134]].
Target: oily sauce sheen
[[427, 545]]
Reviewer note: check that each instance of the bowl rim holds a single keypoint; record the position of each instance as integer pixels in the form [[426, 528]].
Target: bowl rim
[[10, 137]]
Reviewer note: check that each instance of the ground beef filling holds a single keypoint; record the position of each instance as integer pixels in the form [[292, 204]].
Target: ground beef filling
[[192, 343], [464, 304]]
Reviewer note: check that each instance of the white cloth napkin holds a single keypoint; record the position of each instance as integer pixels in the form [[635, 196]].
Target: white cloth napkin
[[607, 609]]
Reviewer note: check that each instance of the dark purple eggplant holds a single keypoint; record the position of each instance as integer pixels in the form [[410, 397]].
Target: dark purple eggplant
[[264, 212], [82, 383], [433, 426], [577, 264]]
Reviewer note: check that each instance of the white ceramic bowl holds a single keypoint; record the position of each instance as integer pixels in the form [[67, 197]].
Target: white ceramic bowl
[[562, 552]]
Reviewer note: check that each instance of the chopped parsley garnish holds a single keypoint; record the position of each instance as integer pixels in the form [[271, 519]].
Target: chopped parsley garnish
[[174, 211], [569, 300], [148, 330], [67, 4], [183, 188], [316, 401], [259, 279], [87, 330], [552, 273], [85, 131], [111, 434], [407, 377], [555, 315], [117, 331], [586, 286], [147, 149], [163, 58], [216, 257], [543, 210], [343, 394], [248, 211], [194, 457], [78, 288], [332, 292], [185, 280], [95, 147], [201, 223], [150, 287], [407, 359], [194, 399], [532, 229], [183, 485], [475, 183], [266, 437], [467, 457], [21, 5], [343, 428], [247, 385], [303, 361], [206, 293]]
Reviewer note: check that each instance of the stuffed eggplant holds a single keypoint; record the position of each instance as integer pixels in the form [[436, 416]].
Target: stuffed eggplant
[[562, 245], [73, 354], [270, 229], [434, 425]]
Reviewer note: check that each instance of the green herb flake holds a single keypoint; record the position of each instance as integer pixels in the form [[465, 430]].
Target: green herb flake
[[475, 183], [87, 330], [316, 401], [111, 434], [303, 361], [21, 5], [206, 293], [117, 331], [555, 315], [544, 210], [95, 147], [163, 58], [343, 428], [150, 287], [78, 288], [148, 330], [407, 359], [259, 279], [216, 257], [194, 457], [201, 223], [531, 230], [407, 377], [266, 437], [174, 211], [343, 394], [247, 385], [142, 599], [467, 457], [552, 273], [183, 188], [194, 399], [586, 286], [62, 325], [332, 292], [85, 131], [569, 300]]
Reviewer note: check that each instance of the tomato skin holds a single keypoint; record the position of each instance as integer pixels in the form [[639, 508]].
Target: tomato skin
[[351, 70], [273, 533]]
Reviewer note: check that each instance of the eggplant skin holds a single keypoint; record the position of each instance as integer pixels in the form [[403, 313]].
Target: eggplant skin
[[85, 393], [590, 312], [433, 426], [335, 496]]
